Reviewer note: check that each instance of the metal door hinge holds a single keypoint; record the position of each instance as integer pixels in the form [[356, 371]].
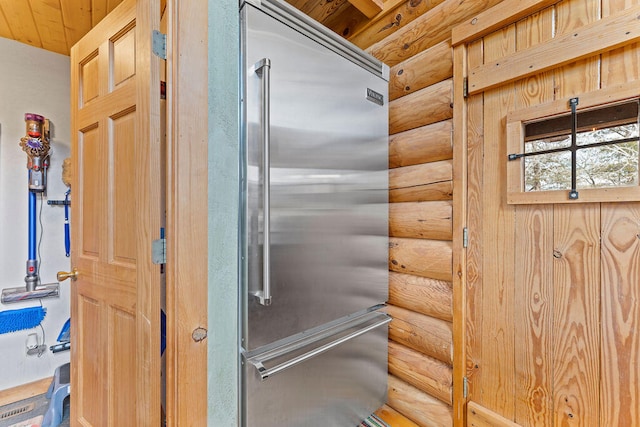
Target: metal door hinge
[[159, 44], [465, 87], [465, 387], [465, 237], [159, 251]]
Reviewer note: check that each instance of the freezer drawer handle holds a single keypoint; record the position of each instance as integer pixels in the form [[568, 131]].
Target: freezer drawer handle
[[263, 70], [266, 373]]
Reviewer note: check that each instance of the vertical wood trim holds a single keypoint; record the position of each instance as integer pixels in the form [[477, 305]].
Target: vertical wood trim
[[620, 373], [576, 307], [148, 297], [473, 271], [498, 378], [534, 315], [76, 211], [515, 168], [187, 212], [459, 222]]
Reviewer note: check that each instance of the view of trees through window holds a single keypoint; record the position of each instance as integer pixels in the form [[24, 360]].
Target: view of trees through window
[[612, 165], [599, 166]]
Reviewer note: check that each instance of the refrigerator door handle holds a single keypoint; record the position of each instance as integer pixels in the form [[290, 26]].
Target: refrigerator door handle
[[263, 70], [258, 362]]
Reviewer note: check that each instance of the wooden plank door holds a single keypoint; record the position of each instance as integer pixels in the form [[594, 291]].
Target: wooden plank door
[[116, 211], [552, 296]]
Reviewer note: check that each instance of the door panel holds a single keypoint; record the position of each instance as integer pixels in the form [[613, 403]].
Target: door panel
[[552, 293], [115, 303]]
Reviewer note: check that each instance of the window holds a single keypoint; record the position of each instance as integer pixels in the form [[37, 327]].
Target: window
[[586, 155]]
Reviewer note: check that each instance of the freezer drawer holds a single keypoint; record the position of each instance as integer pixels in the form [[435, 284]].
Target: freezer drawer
[[334, 377]]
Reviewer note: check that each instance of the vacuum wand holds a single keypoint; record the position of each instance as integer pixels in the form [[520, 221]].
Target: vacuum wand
[[36, 145]]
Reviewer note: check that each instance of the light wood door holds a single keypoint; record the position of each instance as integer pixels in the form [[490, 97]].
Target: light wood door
[[116, 212], [552, 295]]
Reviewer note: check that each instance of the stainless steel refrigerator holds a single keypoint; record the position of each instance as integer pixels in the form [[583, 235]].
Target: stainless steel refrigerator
[[314, 257]]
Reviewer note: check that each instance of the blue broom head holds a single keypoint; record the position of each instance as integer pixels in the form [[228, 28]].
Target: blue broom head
[[23, 318]]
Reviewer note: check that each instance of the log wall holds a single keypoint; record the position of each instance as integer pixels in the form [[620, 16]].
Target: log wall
[[414, 39]]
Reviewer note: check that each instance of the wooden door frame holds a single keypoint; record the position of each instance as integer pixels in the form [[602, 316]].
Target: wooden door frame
[[459, 236], [187, 212]]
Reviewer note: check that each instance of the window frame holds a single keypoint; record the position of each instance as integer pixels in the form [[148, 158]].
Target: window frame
[[515, 135]]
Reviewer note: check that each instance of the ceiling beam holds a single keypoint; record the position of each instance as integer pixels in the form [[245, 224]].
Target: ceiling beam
[[369, 7]]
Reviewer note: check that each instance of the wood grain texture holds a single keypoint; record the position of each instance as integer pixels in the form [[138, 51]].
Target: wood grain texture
[[421, 220], [421, 333], [534, 269], [425, 373], [460, 182], [498, 371], [24, 391], [427, 68], [418, 406], [533, 31], [429, 105], [474, 274], [77, 17], [534, 315], [479, 416], [419, 183], [425, 144], [318, 10], [369, 8], [570, 45], [620, 269], [187, 216], [148, 205], [420, 294], [350, 21], [576, 306], [118, 289], [5, 31], [620, 65], [425, 258], [48, 16], [428, 30], [392, 20], [21, 24], [499, 16], [393, 417], [573, 308]]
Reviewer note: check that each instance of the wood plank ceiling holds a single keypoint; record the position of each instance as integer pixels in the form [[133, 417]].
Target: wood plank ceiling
[[56, 25]]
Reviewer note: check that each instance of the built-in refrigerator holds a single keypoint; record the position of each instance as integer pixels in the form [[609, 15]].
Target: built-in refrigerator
[[314, 223]]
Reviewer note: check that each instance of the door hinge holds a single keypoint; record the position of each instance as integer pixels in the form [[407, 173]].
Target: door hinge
[[159, 44], [465, 387], [465, 237], [159, 251], [465, 87]]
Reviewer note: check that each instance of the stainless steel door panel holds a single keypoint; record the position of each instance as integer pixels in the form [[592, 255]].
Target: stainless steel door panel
[[339, 386], [328, 183]]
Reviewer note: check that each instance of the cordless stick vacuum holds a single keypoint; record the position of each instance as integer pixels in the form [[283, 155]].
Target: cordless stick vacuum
[[36, 145]]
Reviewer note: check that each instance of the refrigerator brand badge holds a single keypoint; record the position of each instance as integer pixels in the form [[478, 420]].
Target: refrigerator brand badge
[[374, 96]]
